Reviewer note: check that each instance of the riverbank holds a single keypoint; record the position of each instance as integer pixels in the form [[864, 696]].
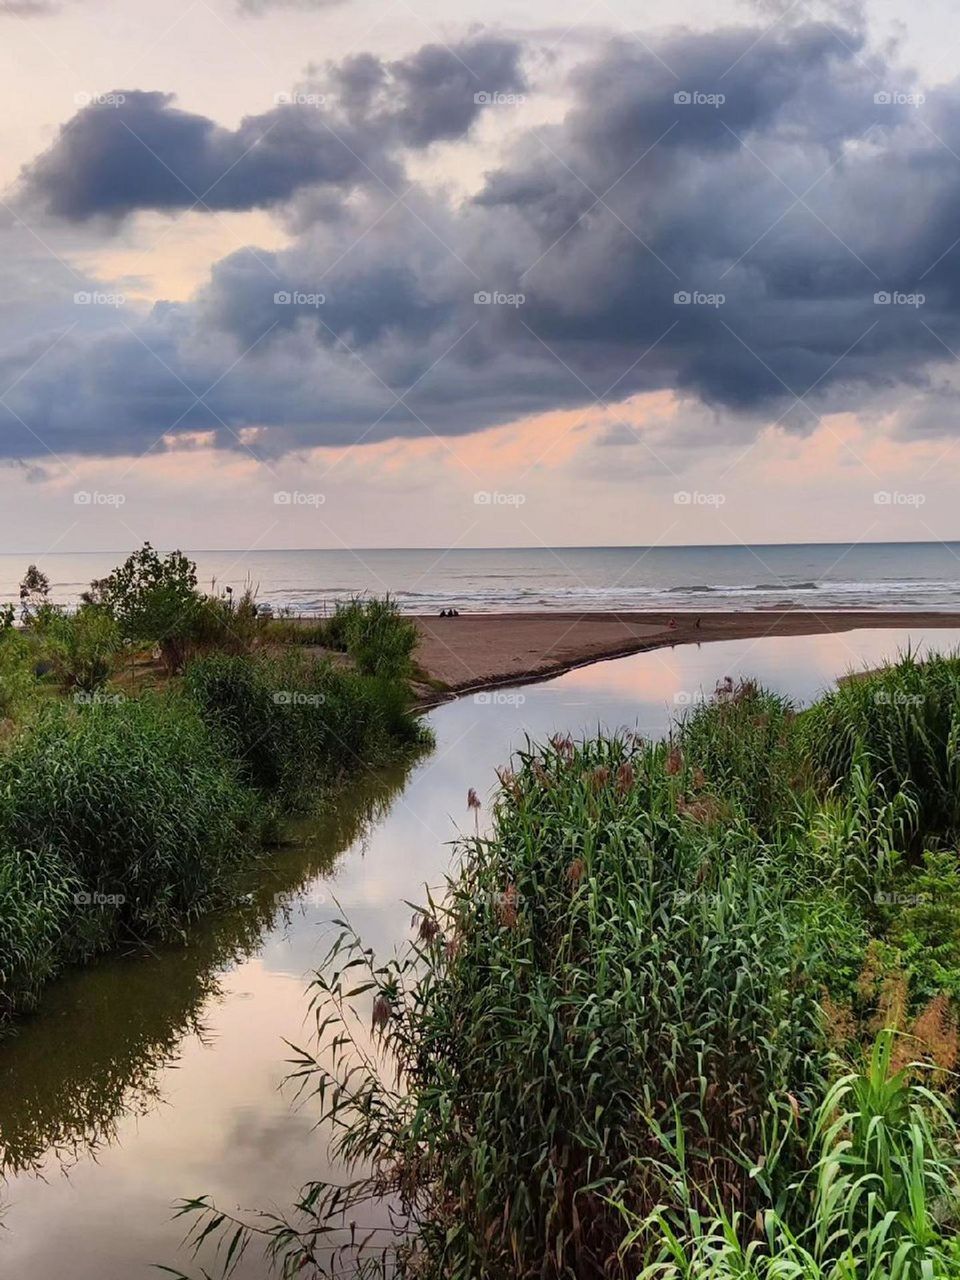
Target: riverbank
[[197, 1038], [481, 651]]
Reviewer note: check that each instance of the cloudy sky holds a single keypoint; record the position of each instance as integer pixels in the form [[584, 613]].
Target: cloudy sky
[[477, 274]]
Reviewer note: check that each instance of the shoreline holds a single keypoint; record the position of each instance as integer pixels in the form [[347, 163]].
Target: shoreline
[[474, 652]]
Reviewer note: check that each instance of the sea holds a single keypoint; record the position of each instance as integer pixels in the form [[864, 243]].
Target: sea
[[886, 575]]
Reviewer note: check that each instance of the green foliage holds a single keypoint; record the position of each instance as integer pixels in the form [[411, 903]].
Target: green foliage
[[226, 625], [299, 632], [902, 723], [82, 646], [375, 634], [7, 616], [879, 1202], [292, 724], [118, 819], [37, 893], [616, 966], [154, 599], [614, 1009], [34, 590], [919, 913], [17, 681], [744, 740]]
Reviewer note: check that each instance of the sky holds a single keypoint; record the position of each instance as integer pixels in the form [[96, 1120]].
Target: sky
[[360, 273]]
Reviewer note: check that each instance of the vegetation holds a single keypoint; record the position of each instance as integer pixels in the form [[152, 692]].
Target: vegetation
[[125, 812], [666, 1021]]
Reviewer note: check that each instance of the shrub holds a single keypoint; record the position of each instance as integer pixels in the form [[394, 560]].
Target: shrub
[[292, 724], [744, 742], [376, 635], [82, 646], [154, 600], [614, 967], [17, 681], [295, 631], [36, 907]]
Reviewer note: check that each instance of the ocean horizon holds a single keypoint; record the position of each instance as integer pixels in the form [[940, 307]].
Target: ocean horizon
[[828, 575]]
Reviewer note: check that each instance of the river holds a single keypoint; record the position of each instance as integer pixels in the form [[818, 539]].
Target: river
[[147, 1078]]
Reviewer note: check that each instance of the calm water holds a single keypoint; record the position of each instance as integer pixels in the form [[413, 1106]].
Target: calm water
[[146, 1079], [886, 575]]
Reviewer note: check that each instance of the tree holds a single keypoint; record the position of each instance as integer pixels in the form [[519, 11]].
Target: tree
[[34, 590], [154, 599]]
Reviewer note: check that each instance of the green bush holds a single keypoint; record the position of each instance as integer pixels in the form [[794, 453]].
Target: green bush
[[18, 684], [744, 742], [154, 599], [82, 646], [292, 724], [376, 635], [37, 908]]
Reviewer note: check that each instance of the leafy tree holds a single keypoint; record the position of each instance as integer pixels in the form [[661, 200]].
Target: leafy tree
[[154, 599], [34, 591]]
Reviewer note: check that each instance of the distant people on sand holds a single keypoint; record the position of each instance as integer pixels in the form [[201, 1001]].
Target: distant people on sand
[[449, 613]]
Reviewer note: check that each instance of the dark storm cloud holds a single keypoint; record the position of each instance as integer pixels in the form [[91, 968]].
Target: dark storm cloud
[[766, 223], [130, 150]]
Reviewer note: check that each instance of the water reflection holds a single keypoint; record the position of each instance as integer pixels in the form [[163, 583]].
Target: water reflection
[[97, 1051], [170, 1069]]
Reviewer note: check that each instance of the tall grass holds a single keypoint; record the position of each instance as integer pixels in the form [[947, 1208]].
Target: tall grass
[[902, 723], [292, 724], [624, 963], [376, 635], [122, 819], [879, 1202]]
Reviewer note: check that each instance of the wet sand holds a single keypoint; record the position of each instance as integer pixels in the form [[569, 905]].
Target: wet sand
[[477, 651]]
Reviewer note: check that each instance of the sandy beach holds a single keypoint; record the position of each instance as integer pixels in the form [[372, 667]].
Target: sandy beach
[[485, 650]]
